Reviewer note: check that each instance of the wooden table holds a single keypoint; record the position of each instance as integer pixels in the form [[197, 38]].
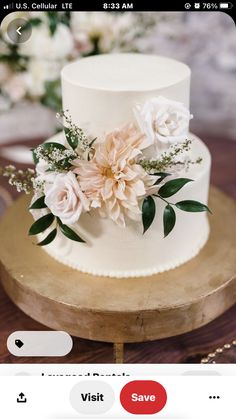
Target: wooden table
[[190, 347]]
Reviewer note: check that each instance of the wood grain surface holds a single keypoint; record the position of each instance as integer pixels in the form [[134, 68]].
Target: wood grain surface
[[127, 309], [189, 347]]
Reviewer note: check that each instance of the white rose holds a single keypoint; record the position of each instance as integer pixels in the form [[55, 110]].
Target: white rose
[[38, 72], [163, 121], [65, 199], [43, 45], [88, 26]]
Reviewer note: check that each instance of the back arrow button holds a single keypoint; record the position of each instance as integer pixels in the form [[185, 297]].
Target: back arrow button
[[19, 30]]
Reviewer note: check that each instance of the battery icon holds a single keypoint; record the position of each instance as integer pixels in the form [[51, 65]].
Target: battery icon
[[226, 5]]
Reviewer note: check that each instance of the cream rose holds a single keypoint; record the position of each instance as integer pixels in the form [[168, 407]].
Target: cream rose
[[65, 199], [163, 121]]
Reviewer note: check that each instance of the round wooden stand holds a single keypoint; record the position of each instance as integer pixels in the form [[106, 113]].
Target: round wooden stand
[[121, 310]]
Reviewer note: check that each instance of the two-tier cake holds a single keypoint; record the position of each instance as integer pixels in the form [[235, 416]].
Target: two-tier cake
[[140, 176]]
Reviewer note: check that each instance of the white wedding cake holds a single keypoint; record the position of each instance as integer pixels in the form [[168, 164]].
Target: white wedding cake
[[120, 95]]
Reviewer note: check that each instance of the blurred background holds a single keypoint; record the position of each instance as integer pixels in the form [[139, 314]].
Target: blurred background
[[30, 72]]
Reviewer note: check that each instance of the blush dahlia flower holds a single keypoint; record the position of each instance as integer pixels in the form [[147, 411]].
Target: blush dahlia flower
[[113, 181]]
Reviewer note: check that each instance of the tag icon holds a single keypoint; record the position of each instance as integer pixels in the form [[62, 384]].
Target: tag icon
[[19, 343]]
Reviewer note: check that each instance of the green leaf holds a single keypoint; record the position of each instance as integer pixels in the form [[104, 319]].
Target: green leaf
[[192, 206], [52, 96], [92, 142], [148, 212], [39, 203], [69, 233], [66, 18], [51, 236], [35, 158], [170, 188], [72, 139], [52, 22], [34, 22], [41, 224], [169, 219], [162, 176]]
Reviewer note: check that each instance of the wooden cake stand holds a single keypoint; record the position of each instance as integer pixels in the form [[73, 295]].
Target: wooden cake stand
[[121, 310]]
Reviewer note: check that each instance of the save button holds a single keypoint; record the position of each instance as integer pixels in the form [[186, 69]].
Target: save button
[[143, 397]]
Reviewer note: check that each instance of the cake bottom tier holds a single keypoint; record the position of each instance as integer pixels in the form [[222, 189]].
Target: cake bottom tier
[[127, 252]]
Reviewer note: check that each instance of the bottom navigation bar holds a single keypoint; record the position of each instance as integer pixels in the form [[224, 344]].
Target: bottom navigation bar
[[107, 397]]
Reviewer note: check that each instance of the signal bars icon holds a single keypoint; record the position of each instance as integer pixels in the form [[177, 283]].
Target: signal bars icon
[[9, 6]]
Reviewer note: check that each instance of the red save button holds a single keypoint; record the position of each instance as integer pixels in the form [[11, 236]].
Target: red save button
[[143, 397]]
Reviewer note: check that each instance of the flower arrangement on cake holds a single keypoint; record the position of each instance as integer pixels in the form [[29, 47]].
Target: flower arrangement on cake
[[112, 175]]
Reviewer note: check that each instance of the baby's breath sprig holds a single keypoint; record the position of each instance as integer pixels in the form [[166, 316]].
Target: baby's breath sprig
[[168, 159], [75, 136], [22, 179], [38, 185], [56, 156]]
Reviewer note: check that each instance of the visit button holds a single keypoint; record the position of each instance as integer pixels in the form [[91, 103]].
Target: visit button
[[143, 397]]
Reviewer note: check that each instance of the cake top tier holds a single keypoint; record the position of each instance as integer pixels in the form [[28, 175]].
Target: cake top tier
[[125, 72], [101, 92]]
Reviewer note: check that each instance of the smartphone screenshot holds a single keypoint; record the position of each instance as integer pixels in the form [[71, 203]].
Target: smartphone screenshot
[[117, 210]]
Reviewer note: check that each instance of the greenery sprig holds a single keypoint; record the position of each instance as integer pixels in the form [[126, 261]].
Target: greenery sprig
[[169, 158], [57, 156], [169, 189], [75, 136]]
